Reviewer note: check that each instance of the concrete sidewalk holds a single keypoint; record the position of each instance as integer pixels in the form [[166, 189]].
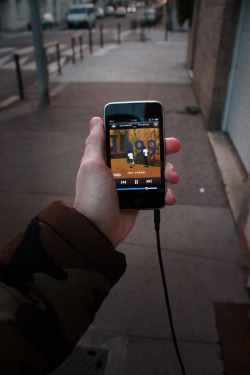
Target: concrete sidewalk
[[40, 154]]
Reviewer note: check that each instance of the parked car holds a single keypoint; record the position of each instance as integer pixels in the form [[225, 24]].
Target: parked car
[[150, 17], [47, 21], [81, 15], [120, 12], [99, 13], [131, 8], [109, 10]]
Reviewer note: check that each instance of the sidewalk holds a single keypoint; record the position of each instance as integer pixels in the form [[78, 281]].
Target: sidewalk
[[40, 154]]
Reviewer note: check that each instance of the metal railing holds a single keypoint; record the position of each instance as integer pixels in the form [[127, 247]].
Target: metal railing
[[56, 45], [19, 76], [77, 47], [75, 54]]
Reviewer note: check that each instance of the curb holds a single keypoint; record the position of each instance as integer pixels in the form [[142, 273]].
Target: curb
[[10, 100]]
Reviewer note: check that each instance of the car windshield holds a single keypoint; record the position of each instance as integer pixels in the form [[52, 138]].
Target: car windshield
[[78, 10]]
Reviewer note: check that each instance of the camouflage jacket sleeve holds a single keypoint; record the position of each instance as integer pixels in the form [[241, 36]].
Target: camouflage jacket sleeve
[[53, 278]]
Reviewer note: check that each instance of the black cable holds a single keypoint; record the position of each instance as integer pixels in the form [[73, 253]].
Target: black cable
[[157, 229]]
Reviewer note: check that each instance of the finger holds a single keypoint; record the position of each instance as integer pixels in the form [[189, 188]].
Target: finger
[[170, 198], [172, 145], [95, 143], [170, 174]]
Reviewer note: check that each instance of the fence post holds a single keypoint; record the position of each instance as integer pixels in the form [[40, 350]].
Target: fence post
[[73, 44], [56, 45], [58, 58], [81, 49], [143, 33], [73, 49], [119, 33], [101, 35], [90, 40], [19, 77], [166, 31]]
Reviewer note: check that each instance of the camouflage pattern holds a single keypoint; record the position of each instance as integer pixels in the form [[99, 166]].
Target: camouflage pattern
[[53, 278]]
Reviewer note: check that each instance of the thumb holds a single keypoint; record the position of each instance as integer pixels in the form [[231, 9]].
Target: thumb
[[95, 143]]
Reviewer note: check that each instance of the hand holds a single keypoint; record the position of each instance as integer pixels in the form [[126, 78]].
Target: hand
[[96, 196]]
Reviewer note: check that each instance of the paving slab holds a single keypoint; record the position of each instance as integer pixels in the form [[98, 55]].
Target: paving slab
[[203, 232], [137, 355], [137, 306], [131, 62], [200, 180], [35, 142], [42, 162], [93, 96], [147, 357]]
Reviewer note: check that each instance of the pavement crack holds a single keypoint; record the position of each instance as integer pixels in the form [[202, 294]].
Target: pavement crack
[[188, 254], [180, 340]]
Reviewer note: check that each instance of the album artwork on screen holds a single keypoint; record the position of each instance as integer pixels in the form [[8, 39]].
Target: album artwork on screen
[[135, 152]]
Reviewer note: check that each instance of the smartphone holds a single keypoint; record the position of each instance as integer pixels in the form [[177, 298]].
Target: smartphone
[[135, 152]]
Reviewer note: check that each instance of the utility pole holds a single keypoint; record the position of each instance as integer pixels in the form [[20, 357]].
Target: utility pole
[[40, 56]]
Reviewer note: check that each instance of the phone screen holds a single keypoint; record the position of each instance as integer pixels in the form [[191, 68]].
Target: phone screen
[[135, 152]]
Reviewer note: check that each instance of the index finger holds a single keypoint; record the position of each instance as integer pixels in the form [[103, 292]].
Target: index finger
[[172, 145]]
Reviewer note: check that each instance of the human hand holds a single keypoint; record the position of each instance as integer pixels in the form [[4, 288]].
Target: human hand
[[96, 196]]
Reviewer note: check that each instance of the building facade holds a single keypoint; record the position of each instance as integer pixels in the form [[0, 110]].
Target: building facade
[[15, 14], [218, 59]]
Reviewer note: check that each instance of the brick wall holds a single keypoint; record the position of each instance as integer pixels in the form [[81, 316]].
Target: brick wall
[[215, 29]]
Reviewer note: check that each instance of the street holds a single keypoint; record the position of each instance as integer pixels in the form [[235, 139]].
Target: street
[[114, 30], [41, 149], [204, 247]]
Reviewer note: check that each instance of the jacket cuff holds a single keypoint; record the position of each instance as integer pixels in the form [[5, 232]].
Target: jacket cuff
[[85, 238]]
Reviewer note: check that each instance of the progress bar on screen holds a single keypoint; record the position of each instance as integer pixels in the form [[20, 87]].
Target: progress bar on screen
[[143, 188]]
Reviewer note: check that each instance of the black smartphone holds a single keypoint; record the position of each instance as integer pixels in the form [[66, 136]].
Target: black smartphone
[[135, 152]]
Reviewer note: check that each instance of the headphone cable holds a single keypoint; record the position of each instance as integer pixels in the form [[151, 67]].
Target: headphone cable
[[157, 220]]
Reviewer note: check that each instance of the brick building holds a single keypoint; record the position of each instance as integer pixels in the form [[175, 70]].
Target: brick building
[[218, 58]]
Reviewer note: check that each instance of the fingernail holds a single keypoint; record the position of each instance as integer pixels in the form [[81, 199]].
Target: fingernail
[[95, 121], [171, 166]]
